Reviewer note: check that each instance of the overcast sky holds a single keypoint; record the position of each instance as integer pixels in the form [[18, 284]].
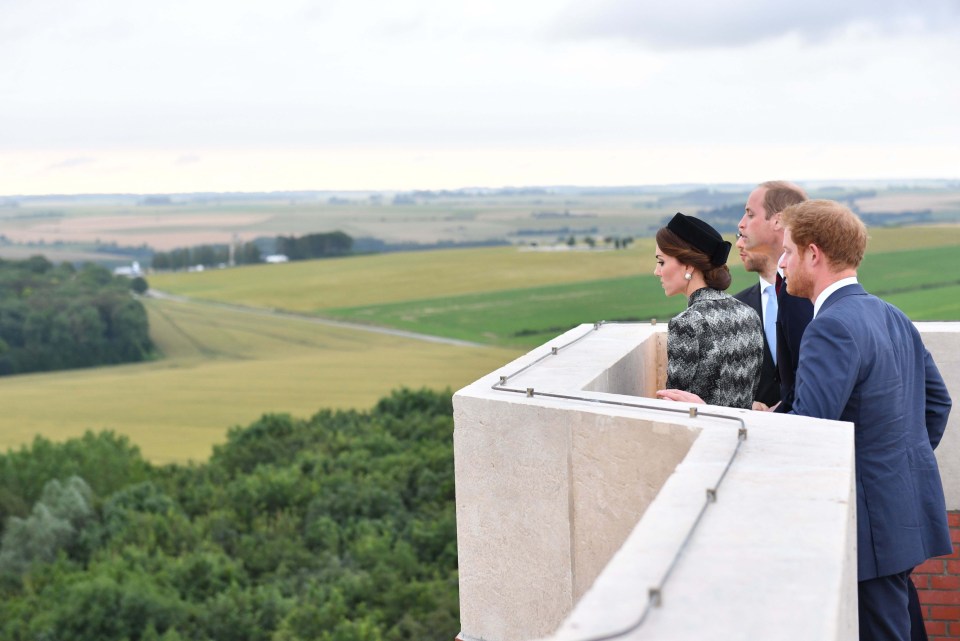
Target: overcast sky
[[217, 95]]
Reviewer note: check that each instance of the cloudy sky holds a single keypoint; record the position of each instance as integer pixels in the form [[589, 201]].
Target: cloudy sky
[[217, 95]]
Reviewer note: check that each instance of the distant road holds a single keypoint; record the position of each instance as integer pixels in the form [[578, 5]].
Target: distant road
[[154, 293]]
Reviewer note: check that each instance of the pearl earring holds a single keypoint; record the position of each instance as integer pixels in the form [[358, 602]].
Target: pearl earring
[[688, 275]]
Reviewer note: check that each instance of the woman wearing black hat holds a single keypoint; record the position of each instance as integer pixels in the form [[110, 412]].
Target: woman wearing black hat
[[715, 346]]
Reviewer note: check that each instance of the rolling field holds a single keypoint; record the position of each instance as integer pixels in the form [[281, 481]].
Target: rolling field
[[921, 281], [314, 286], [519, 299], [524, 317], [224, 368]]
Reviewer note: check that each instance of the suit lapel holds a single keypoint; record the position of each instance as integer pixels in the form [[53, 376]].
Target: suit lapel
[[754, 299]]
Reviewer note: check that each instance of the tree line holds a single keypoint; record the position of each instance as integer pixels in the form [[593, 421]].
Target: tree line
[[306, 247], [205, 255], [61, 317], [340, 527]]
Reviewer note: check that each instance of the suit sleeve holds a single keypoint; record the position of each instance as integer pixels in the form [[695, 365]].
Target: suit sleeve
[[683, 352], [828, 369], [938, 401]]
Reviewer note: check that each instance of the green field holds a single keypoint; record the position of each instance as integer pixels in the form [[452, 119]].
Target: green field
[[314, 286], [524, 317], [516, 298], [942, 303], [528, 317]]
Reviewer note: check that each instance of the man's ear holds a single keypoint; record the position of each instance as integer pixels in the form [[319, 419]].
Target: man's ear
[[775, 221], [816, 256]]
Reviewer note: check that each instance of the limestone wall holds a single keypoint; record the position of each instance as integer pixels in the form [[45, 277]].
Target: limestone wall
[[943, 341]]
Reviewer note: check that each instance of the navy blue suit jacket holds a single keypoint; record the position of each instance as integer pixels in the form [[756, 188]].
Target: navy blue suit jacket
[[862, 360]]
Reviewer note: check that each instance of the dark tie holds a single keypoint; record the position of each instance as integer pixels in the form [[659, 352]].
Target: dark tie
[[779, 282]]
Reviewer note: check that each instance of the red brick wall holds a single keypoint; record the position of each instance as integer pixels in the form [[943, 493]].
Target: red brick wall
[[938, 584]]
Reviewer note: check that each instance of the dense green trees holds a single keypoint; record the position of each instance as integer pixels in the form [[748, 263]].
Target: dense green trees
[[322, 245], [59, 317], [206, 255], [340, 527]]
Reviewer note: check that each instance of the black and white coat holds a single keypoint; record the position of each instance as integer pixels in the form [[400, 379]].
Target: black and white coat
[[715, 348]]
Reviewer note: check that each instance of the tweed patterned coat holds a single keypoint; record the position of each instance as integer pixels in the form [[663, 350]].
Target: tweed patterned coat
[[715, 348]]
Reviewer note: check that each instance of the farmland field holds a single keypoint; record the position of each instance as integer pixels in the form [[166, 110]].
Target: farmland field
[[528, 317], [63, 226], [941, 303], [524, 317], [517, 298], [224, 368], [313, 286], [198, 219]]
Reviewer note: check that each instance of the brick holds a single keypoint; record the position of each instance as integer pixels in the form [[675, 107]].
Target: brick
[[945, 613], [931, 566], [955, 534], [953, 518], [935, 627], [953, 567], [944, 582], [920, 581], [940, 597], [954, 629]]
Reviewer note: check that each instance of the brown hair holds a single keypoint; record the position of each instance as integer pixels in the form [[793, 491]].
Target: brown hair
[[837, 231], [672, 245], [780, 194]]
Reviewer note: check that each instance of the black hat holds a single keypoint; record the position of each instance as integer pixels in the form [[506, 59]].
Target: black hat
[[702, 236]]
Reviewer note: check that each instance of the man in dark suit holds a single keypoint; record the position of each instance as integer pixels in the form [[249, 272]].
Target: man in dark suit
[[863, 361], [784, 317]]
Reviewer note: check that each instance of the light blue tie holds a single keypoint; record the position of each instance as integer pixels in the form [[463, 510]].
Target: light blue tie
[[770, 321]]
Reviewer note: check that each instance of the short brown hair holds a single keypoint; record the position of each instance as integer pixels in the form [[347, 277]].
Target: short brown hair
[[837, 231], [780, 194], [672, 245]]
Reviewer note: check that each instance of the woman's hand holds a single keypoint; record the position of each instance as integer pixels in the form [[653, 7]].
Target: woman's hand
[[679, 395]]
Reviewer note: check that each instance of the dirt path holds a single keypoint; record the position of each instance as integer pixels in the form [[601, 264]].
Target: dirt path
[[153, 293]]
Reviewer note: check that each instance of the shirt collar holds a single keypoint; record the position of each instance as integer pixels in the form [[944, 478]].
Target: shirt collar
[[825, 294], [764, 283]]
